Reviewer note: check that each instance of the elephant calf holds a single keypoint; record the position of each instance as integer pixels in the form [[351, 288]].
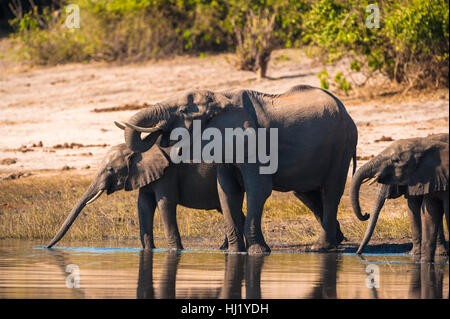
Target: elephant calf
[[161, 184], [417, 168]]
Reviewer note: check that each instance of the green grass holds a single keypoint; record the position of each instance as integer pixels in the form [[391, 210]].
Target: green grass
[[35, 207]]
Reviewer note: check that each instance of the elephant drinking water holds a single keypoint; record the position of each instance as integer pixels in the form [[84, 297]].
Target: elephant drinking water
[[417, 168], [161, 184]]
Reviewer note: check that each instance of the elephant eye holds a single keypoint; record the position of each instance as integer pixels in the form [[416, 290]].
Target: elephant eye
[[110, 169]]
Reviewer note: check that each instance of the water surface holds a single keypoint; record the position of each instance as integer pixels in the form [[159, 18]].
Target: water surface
[[29, 271]]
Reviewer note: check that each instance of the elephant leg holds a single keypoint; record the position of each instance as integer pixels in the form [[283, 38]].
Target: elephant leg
[[414, 204], [258, 188], [231, 196], [224, 245], [146, 212], [168, 210], [441, 250], [431, 213], [313, 200], [331, 192], [327, 239]]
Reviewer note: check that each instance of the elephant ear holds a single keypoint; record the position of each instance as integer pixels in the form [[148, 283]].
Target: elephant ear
[[146, 167], [431, 173]]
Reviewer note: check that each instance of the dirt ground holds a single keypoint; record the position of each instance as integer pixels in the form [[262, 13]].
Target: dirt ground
[[61, 118]]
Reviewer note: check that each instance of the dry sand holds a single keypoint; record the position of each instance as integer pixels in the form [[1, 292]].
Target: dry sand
[[43, 108]]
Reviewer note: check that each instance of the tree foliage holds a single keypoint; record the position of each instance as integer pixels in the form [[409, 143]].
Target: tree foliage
[[410, 46]]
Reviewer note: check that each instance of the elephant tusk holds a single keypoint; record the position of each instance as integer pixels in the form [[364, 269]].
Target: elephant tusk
[[143, 129], [100, 192], [120, 125], [373, 180]]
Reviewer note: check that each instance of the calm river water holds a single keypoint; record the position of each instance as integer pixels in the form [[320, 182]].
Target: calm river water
[[29, 271]]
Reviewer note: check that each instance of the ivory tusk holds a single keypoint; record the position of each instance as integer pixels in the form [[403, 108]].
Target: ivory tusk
[[373, 180], [143, 129], [120, 125], [100, 192]]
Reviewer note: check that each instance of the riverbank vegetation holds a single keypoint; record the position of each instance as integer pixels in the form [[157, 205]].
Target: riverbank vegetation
[[409, 45]]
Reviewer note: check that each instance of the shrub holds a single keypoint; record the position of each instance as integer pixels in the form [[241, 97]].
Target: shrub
[[117, 30], [410, 46]]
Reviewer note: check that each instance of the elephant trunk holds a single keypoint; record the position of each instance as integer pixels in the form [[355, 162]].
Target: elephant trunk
[[89, 196], [383, 193], [150, 117], [361, 175]]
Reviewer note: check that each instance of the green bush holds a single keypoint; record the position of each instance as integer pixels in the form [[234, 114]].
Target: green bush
[[130, 30], [411, 46]]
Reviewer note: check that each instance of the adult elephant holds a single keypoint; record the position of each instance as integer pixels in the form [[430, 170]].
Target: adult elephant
[[417, 168], [316, 142], [161, 184]]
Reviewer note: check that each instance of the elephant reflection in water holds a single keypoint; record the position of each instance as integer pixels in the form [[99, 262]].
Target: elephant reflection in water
[[427, 281], [326, 285], [145, 288], [237, 268], [62, 260]]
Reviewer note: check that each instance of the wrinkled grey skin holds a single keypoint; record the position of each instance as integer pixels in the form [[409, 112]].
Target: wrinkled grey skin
[[161, 184], [418, 169], [316, 142]]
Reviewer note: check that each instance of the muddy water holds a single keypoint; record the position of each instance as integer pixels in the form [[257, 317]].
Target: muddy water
[[29, 271]]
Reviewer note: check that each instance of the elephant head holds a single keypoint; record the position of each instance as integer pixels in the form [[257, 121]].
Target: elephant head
[[120, 169], [390, 189], [161, 118], [410, 167]]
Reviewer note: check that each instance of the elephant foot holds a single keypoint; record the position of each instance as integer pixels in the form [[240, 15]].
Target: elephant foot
[[258, 249], [322, 245], [147, 242], [415, 251], [441, 250]]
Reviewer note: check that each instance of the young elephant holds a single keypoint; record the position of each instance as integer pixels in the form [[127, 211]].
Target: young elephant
[[161, 184], [417, 168], [414, 204]]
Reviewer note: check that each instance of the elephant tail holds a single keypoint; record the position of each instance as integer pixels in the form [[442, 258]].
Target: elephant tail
[[354, 163]]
